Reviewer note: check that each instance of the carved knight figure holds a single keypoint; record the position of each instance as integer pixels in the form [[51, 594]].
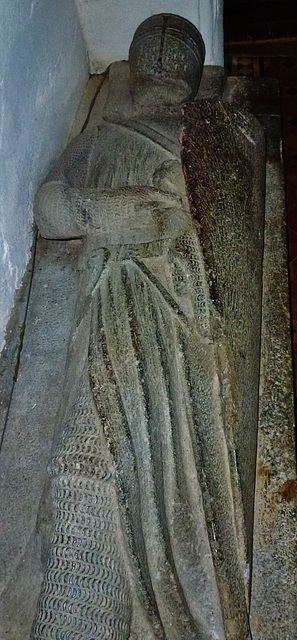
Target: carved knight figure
[[148, 535]]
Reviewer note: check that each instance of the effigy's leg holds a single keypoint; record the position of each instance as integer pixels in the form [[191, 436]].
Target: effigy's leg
[[85, 592]]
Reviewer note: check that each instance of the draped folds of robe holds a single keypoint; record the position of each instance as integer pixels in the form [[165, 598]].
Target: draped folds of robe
[[161, 377]]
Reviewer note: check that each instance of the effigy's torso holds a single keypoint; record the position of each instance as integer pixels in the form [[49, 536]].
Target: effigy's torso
[[153, 360], [155, 397]]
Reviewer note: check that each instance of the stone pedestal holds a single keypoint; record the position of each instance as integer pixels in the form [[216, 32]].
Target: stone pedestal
[[274, 595]]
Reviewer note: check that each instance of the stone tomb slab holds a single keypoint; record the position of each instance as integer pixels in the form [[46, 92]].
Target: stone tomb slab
[[36, 396]]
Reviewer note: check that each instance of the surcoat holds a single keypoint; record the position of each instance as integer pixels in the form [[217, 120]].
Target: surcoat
[[153, 409]]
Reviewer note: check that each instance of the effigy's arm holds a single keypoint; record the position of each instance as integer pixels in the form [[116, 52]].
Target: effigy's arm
[[116, 216], [57, 208], [67, 207]]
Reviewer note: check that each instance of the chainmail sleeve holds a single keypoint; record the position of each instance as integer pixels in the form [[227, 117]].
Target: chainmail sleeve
[[59, 213], [58, 206], [70, 204]]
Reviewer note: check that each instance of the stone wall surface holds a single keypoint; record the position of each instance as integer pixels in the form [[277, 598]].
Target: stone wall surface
[[43, 70], [116, 24]]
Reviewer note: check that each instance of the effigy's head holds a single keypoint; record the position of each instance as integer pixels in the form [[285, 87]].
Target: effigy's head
[[167, 50]]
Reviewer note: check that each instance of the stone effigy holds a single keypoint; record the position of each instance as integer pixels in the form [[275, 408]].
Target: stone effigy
[[153, 473]]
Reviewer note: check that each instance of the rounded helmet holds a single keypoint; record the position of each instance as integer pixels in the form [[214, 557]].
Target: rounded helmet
[[167, 46]]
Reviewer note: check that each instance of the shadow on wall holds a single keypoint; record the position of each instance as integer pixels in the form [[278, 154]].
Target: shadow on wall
[[43, 70]]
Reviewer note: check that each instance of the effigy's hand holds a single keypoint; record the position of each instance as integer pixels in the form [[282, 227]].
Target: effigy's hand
[[125, 203], [136, 214], [167, 213]]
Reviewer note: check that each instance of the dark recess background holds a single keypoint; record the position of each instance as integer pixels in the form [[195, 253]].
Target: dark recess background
[[260, 20]]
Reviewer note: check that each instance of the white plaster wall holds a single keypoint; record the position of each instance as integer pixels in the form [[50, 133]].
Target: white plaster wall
[[43, 70], [108, 27]]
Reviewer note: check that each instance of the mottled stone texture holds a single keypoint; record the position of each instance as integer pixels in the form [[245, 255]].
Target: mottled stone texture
[[274, 593], [274, 597], [29, 432], [223, 156]]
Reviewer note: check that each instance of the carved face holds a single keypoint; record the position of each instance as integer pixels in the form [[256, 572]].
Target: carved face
[[167, 52]]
